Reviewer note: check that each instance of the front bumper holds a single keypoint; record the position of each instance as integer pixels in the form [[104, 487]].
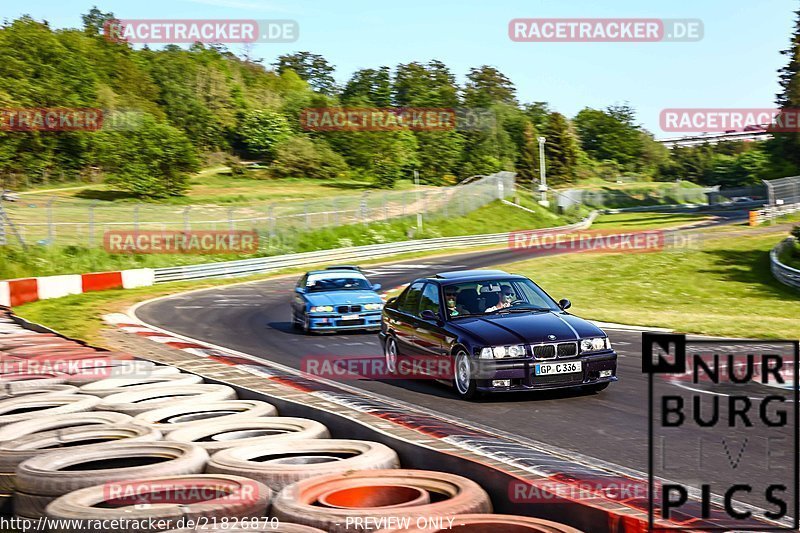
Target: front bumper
[[335, 322], [520, 372]]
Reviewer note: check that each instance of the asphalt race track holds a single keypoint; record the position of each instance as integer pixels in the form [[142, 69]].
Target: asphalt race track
[[610, 426]]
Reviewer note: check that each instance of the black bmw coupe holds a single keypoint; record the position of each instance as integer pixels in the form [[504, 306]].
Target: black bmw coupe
[[490, 331]]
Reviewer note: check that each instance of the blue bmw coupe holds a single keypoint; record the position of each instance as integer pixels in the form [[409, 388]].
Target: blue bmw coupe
[[337, 298]]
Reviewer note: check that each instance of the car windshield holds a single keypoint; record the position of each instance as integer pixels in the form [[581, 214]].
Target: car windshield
[[337, 283], [496, 296]]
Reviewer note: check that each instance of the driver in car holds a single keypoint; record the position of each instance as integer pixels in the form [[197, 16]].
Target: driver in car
[[506, 299], [453, 309]]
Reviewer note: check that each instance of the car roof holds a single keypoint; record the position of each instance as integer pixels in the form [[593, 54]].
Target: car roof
[[470, 275], [332, 271]]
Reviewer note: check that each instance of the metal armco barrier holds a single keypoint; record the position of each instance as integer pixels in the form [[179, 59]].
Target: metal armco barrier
[[258, 265], [785, 274]]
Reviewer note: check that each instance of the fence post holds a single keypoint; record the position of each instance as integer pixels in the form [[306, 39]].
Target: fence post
[[305, 210], [91, 222], [231, 224], [385, 207], [364, 208], [271, 217], [136, 219], [187, 225], [51, 230], [335, 212]]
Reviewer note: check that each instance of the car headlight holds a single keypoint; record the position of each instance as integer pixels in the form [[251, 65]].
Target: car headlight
[[595, 344], [373, 307], [499, 352], [321, 309]]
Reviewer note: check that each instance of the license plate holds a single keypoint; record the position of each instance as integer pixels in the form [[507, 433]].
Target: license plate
[[350, 317], [546, 369]]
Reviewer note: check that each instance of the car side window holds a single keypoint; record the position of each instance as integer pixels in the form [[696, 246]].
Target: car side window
[[430, 299], [301, 283], [410, 299]]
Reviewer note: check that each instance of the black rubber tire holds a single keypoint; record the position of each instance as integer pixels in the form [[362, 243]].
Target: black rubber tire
[[300, 459], [45, 405], [107, 387], [244, 498], [13, 452], [269, 430], [149, 399], [45, 475], [69, 420], [172, 418]]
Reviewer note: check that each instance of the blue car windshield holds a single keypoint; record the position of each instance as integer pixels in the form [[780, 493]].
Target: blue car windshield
[[496, 296], [338, 284]]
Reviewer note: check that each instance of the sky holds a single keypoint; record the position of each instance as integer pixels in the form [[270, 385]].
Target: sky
[[734, 65]]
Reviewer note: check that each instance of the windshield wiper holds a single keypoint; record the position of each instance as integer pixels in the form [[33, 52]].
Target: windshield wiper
[[524, 309]]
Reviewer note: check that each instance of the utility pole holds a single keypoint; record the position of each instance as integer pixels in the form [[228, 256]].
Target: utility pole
[[543, 174]]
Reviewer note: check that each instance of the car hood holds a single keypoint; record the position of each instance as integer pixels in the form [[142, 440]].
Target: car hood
[[527, 328], [347, 297]]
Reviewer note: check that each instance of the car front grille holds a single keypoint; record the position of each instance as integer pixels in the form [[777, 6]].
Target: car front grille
[[544, 351], [348, 309], [550, 351], [567, 349]]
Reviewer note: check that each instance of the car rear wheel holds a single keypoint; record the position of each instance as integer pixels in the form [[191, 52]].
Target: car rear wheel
[[465, 386], [391, 355]]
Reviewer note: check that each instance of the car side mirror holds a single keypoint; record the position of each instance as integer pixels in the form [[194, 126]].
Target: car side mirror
[[427, 314], [376, 287], [564, 304], [391, 300], [299, 290]]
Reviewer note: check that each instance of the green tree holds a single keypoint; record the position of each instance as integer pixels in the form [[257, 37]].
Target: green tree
[[312, 68], [152, 160], [560, 149], [610, 135], [369, 87], [301, 157], [486, 86], [262, 131], [785, 146]]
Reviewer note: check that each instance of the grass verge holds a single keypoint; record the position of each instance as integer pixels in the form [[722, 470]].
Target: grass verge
[[725, 288]]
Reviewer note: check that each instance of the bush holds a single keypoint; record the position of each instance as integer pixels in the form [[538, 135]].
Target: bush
[[299, 157]]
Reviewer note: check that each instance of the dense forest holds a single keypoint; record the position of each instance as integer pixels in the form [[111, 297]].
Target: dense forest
[[199, 102]]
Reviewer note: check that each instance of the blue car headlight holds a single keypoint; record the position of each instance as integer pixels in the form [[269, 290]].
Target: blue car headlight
[[373, 307], [321, 309]]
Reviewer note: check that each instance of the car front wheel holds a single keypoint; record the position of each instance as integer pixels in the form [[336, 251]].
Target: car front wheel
[[465, 385], [391, 355]]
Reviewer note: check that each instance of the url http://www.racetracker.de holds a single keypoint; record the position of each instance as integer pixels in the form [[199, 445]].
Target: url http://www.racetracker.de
[[143, 525]]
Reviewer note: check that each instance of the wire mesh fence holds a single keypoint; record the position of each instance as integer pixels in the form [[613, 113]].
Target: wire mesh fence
[[633, 196], [72, 221], [783, 191]]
